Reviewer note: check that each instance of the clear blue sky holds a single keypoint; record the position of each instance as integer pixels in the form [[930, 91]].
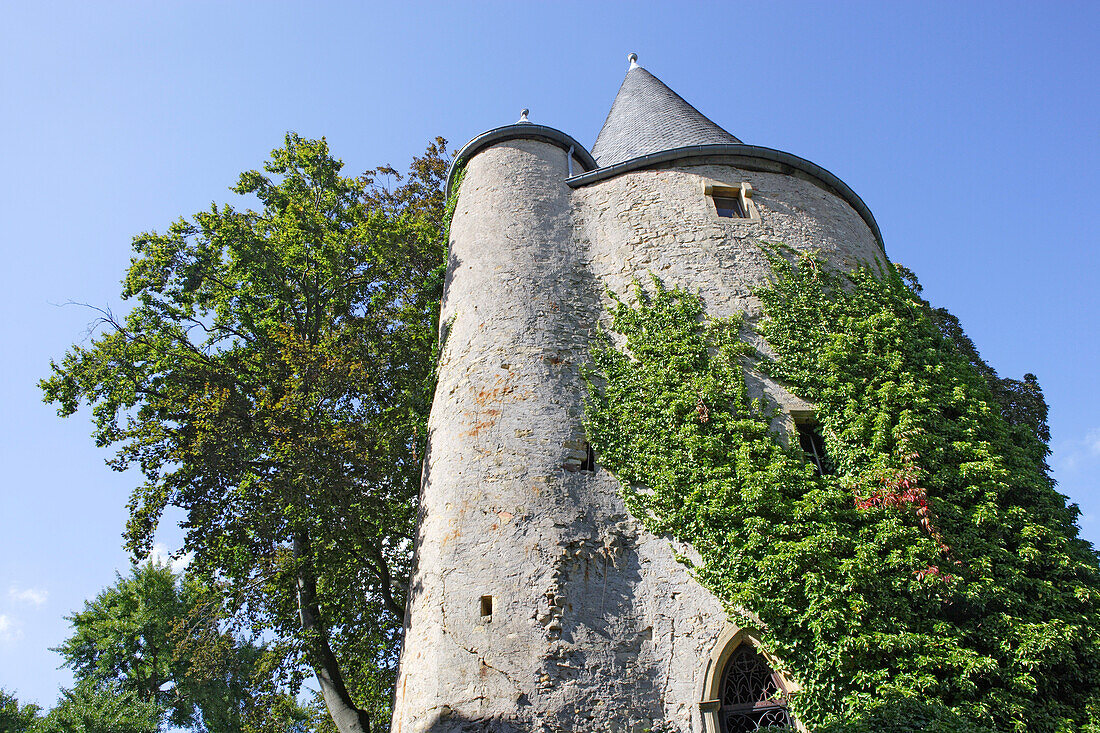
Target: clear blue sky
[[972, 130]]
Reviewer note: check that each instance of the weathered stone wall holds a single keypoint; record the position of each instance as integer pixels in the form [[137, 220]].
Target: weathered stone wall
[[660, 222], [594, 624]]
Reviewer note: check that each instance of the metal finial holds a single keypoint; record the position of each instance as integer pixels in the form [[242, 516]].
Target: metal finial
[[633, 59], [523, 115]]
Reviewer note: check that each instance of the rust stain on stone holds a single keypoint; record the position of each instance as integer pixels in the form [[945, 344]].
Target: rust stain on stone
[[495, 394], [479, 426]]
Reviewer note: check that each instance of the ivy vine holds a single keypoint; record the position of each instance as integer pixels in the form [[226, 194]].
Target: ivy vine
[[934, 580], [457, 178]]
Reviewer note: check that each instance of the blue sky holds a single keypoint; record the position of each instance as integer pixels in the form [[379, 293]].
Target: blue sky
[[972, 131]]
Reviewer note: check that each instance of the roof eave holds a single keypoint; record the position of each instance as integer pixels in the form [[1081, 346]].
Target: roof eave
[[519, 131], [746, 155]]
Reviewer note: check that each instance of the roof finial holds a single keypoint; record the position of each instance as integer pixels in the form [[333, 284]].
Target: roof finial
[[633, 59], [523, 116]]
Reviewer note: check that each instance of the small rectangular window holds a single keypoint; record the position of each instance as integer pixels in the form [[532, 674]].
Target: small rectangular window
[[731, 200], [486, 606], [812, 444], [729, 207]]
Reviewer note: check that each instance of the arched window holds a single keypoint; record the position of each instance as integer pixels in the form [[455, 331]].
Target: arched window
[[752, 695], [741, 689]]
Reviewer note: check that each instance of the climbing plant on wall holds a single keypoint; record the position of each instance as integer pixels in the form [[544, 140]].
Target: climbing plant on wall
[[934, 578]]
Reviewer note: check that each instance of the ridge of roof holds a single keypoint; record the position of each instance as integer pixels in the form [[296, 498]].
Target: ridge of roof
[[648, 117]]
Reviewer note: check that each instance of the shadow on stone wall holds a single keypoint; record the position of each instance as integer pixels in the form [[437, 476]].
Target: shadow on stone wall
[[446, 721]]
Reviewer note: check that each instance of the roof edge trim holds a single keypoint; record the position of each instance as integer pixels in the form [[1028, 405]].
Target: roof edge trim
[[747, 153], [519, 131]]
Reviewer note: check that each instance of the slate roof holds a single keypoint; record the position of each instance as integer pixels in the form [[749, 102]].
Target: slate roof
[[648, 117]]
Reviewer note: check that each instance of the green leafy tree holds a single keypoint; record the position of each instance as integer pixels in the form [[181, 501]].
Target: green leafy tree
[[933, 579], [98, 707], [16, 718], [124, 635], [156, 635], [272, 380]]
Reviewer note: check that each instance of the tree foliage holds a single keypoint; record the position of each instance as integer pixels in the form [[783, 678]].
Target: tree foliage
[[15, 718], [90, 707], [272, 380], [934, 579], [157, 635], [93, 707]]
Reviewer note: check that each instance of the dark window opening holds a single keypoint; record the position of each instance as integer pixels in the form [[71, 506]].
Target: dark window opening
[[812, 444], [752, 696], [730, 207], [486, 606], [589, 462]]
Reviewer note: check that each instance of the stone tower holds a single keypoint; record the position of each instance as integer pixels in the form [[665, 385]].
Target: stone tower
[[538, 602]]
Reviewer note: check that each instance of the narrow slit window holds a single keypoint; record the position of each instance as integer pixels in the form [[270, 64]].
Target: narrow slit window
[[812, 444], [589, 462], [486, 607]]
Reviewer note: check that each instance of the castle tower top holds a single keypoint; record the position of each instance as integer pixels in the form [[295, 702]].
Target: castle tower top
[[651, 125], [648, 117]]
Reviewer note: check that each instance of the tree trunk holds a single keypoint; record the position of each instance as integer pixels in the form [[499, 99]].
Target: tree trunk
[[348, 718]]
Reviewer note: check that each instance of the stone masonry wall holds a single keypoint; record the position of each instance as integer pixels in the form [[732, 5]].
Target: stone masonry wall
[[660, 222], [594, 625]]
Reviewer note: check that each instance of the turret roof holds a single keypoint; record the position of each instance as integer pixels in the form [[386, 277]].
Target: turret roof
[[648, 117], [650, 125]]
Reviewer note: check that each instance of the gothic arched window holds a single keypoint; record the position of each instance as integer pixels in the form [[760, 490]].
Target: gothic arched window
[[752, 696]]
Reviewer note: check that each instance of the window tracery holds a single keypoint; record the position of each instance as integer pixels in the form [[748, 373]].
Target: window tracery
[[752, 696]]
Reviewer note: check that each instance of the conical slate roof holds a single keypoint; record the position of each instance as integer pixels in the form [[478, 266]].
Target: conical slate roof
[[648, 117]]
